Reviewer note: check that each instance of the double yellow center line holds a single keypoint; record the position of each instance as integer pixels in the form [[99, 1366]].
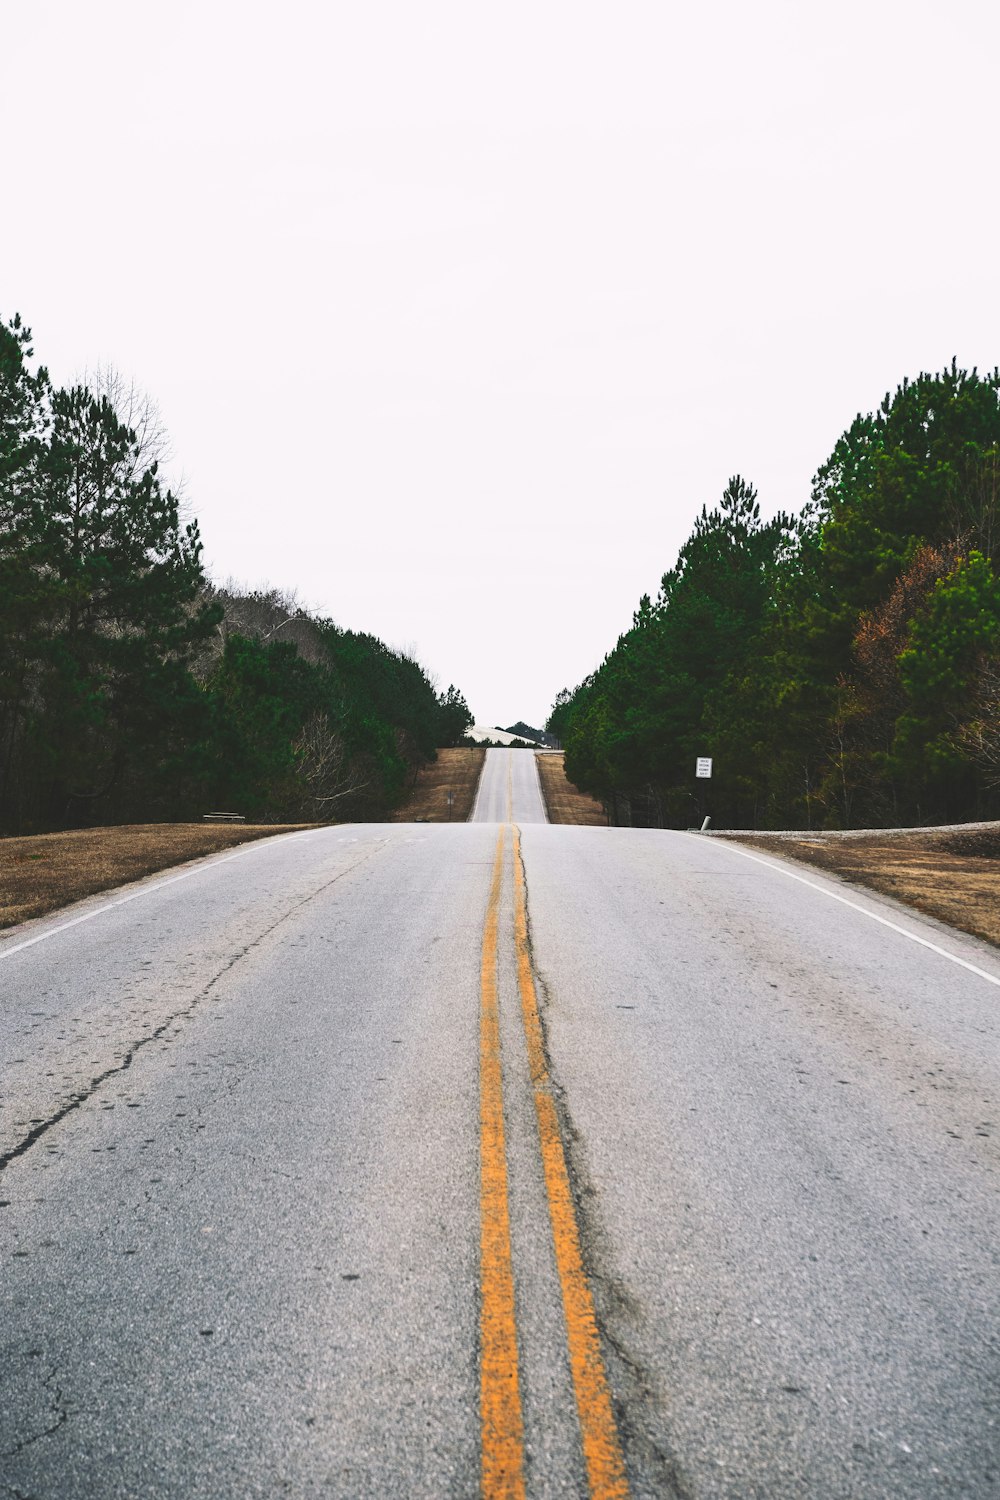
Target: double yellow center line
[[503, 1473]]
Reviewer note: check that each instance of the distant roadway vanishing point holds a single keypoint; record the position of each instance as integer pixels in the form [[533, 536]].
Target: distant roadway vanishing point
[[503, 1159]]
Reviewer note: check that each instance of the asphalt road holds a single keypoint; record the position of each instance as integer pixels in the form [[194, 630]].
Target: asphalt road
[[293, 1185], [509, 789]]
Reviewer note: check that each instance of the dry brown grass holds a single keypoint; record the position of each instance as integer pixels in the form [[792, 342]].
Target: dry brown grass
[[41, 873], [456, 771], [563, 802], [949, 873]]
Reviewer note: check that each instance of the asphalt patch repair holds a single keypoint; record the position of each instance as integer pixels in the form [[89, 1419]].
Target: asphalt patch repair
[[952, 874]]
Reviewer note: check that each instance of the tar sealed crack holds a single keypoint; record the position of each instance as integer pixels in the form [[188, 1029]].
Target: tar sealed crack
[[59, 1412], [88, 1091], [653, 1470]]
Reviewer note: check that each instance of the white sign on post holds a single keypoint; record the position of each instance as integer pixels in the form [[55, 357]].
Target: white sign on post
[[703, 766]]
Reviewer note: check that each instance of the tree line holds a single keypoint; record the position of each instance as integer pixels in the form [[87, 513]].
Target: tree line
[[841, 666], [132, 688]]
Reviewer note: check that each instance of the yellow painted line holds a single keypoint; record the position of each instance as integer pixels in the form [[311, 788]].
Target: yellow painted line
[[499, 1389], [599, 1432]]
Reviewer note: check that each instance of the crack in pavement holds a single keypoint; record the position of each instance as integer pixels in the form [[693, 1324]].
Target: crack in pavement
[[62, 1417], [614, 1303], [83, 1095]]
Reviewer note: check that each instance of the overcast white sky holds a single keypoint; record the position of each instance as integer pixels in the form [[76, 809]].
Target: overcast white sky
[[457, 314]]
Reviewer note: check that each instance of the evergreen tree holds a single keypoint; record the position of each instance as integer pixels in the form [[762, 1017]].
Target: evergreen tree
[[634, 731], [128, 687], [26, 588], [957, 634], [908, 475], [454, 717], [126, 575]]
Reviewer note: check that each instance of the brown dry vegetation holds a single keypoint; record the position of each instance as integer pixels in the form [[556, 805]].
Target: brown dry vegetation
[[949, 873], [456, 771], [563, 802], [49, 870]]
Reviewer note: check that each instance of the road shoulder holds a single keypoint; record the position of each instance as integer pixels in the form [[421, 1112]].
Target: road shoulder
[[950, 874]]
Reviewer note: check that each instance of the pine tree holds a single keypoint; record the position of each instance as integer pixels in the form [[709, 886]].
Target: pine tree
[[114, 682], [26, 589]]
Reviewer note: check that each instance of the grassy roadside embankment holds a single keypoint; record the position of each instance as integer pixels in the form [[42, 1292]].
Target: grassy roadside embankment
[[49, 870], [564, 802], [456, 771], [952, 873]]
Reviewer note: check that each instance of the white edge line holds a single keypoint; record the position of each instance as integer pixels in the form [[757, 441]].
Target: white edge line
[[474, 814], [777, 865], [538, 787], [204, 863]]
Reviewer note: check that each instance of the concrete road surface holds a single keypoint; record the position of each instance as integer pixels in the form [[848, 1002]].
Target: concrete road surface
[[437, 1161], [509, 789]]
